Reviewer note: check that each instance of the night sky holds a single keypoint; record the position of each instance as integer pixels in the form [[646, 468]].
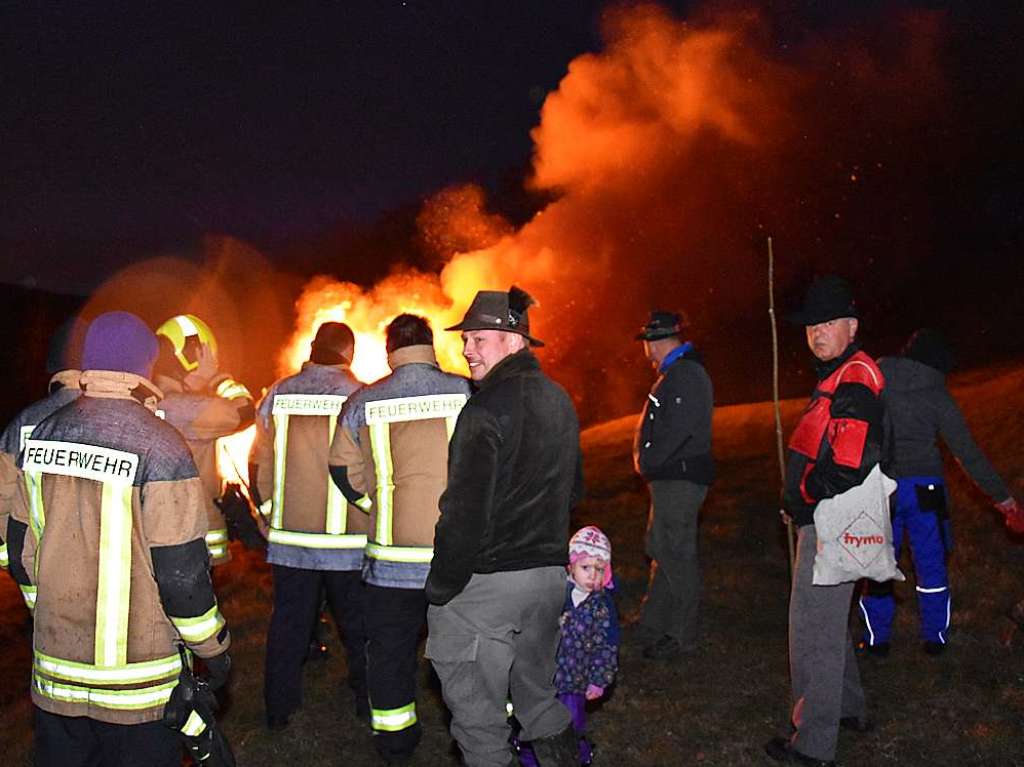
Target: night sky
[[130, 129], [138, 126]]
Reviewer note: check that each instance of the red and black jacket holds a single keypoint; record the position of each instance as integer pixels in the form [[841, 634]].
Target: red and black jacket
[[838, 439]]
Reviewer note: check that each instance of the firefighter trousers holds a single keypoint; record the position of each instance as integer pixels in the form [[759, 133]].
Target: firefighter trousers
[[296, 602], [394, 620], [919, 513], [65, 741]]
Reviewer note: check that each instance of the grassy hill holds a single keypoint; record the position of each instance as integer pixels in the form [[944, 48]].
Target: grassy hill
[[719, 706]]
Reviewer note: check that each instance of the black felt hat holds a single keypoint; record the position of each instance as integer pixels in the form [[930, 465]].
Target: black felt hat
[[497, 310], [662, 324], [828, 298]]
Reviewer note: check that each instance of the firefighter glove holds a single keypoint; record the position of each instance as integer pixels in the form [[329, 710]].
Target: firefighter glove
[[217, 669]]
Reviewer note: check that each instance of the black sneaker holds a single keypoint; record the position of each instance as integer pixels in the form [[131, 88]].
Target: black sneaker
[[934, 648], [880, 650], [780, 750]]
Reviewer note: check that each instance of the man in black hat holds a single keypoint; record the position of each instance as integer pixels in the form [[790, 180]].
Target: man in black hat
[[672, 452], [835, 445], [497, 580]]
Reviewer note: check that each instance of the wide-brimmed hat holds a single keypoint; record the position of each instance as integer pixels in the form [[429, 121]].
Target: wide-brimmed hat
[[828, 298], [497, 310], [662, 324]]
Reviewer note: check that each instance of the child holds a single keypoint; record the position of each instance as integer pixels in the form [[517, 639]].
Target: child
[[588, 653]]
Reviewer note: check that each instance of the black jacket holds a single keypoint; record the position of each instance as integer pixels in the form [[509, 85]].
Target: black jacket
[[514, 472], [673, 438], [921, 409]]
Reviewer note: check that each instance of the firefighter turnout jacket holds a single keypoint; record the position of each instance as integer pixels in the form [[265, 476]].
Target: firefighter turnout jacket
[[312, 525], [63, 389], [391, 456], [107, 541], [225, 407]]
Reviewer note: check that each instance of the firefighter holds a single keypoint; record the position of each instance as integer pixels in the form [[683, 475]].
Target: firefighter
[[107, 540], [316, 538], [62, 363], [390, 455], [203, 404]]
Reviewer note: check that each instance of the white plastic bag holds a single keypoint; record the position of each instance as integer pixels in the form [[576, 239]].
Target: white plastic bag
[[855, 534]]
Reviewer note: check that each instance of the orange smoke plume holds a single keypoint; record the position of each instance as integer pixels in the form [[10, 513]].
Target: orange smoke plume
[[619, 121]]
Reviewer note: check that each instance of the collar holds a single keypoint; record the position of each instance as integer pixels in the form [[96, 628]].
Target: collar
[[825, 369], [407, 355], [680, 351], [65, 379], [514, 364], [342, 366], [113, 384]]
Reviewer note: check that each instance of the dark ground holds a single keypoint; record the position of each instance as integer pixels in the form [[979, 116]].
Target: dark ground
[[717, 707]]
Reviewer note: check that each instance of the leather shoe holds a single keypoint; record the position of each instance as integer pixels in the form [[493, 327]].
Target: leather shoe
[[856, 724], [780, 750]]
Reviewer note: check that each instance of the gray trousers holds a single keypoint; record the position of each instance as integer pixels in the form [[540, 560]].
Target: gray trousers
[[496, 640], [672, 604], [822, 666]]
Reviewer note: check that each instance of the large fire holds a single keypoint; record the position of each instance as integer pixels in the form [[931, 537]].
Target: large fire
[[662, 158]]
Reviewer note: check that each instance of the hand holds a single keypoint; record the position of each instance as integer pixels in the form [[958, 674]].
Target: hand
[[217, 669], [200, 378], [593, 692], [1014, 514], [785, 518]]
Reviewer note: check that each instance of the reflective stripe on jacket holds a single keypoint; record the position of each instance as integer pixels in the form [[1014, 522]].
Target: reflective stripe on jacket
[[393, 444], [312, 526], [107, 486]]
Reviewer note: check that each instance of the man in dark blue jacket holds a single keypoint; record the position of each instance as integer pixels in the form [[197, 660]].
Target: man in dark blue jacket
[[672, 452]]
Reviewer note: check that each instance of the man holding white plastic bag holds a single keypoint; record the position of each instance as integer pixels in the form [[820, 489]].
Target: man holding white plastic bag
[[834, 448]]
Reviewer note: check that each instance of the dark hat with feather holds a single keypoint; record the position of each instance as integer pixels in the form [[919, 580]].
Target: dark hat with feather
[[497, 310]]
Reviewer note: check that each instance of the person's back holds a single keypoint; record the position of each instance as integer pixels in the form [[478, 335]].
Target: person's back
[[108, 545], [295, 426], [390, 457], [920, 411]]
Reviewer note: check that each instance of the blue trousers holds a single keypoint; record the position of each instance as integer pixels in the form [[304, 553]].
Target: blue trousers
[[919, 513]]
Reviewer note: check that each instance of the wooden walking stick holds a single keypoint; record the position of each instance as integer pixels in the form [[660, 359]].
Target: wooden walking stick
[[775, 393]]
